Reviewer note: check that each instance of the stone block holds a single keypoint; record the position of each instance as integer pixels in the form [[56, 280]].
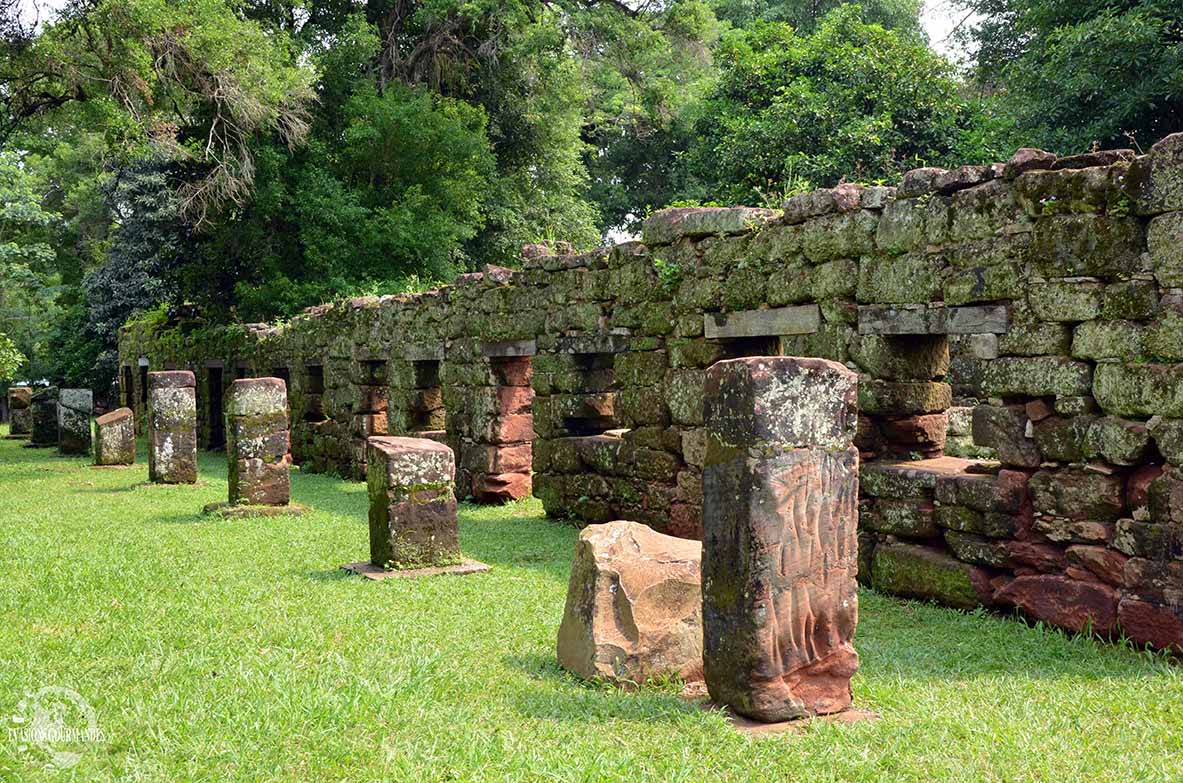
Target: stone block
[[979, 550], [1164, 237], [914, 519], [258, 442], [908, 479], [634, 606], [20, 416], [1037, 376], [1155, 181], [780, 537], [1159, 625], [1119, 441], [1063, 602], [1004, 429], [903, 320], [1004, 492], [75, 408], [1066, 300], [929, 574], [1086, 245], [44, 405], [904, 397], [902, 357], [1078, 495], [992, 524], [669, 225], [802, 319], [412, 505], [1140, 390], [115, 438], [172, 427]]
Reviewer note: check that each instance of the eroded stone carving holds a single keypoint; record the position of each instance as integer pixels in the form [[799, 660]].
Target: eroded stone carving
[[780, 536]]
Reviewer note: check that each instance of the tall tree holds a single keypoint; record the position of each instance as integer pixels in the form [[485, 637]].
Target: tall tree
[[1078, 74], [849, 101]]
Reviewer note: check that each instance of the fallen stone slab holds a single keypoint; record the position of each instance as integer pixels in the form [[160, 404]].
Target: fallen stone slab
[[634, 606]]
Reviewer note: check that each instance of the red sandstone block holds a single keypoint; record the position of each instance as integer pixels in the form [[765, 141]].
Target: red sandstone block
[[1063, 602], [514, 399], [511, 429], [1005, 492], [514, 373], [685, 521], [1100, 562], [1138, 485], [924, 433], [503, 487], [1154, 624], [1044, 558]]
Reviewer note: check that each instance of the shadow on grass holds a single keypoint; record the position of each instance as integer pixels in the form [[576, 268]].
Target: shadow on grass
[[579, 701]]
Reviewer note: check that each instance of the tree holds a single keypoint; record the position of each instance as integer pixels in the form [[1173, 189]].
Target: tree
[[11, 359], [849, 101], [805, 15], [1079, 74], [189, 79]]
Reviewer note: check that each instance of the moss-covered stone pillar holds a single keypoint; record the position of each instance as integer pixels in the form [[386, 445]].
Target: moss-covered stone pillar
[[45, 417], [412, 506], [780, 519], [115, 438], [75, 407], [20, 416], [172, 427], [258, 442]]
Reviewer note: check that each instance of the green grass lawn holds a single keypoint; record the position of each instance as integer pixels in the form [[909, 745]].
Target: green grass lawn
[[235, 650]]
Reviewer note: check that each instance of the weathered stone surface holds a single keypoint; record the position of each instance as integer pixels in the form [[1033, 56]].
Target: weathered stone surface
[[977, 319], [803, 319], [669, 225], [20, 416], [172, 423], [1155, 181], [412, 506], [258, 442], [992, 524], [923, 572], [75, 407], [1078, 494], [1004, 492], [1040, 376], [1165, 240], [904, 397], [1119, 441], [1028, 159], [979, 550], [634, 606], [915, 479], [1140, 390], [1063, 602], [1158, 625], [44, 405], [115, 438], [1004, 429], [780, 525], [911, 518]]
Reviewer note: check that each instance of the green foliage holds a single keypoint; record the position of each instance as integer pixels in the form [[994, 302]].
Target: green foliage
[[11, 359], [1079, 74], [190, 79], [850, 101], [805, 15], [669, 273]]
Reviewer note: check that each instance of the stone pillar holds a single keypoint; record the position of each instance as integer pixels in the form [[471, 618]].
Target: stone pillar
[[172, 427], [115, 438], [20, 415], [45, 417], [75, 407], [412, 507], [780, 519], [258, 443]]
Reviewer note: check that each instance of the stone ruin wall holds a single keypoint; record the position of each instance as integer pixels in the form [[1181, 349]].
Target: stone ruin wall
[[1030, 312]]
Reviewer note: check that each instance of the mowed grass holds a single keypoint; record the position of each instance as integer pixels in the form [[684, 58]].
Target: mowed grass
[[216, 650]]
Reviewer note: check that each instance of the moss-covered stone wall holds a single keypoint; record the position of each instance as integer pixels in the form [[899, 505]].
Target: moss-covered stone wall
[[1029, 312]]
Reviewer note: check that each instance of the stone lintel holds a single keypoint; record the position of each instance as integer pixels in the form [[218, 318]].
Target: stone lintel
[[775, 322], [423, 353], [922, 319], [509, 348]]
